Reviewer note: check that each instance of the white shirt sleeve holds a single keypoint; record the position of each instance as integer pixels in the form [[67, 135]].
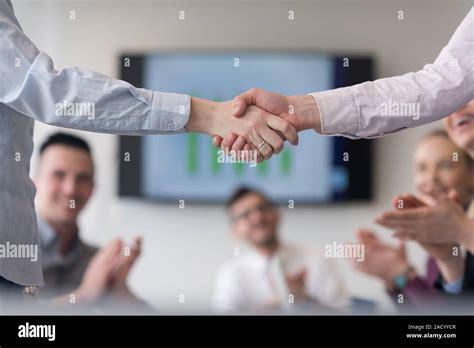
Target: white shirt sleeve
[[227, 296], [324, 282], [31, 86], [387, 105]]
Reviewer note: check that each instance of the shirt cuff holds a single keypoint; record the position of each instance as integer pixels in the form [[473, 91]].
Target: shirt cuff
[[170, 112], [455, 287], [338, 111]]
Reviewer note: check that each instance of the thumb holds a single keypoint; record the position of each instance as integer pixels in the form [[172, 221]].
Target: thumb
[[240, 104]]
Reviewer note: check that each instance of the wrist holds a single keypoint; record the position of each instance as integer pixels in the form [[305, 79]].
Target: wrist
[[202, 116], [400, 277], [451, 268], [307, 109]]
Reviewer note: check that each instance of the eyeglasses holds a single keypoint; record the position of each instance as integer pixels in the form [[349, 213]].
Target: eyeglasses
[[246, 214]]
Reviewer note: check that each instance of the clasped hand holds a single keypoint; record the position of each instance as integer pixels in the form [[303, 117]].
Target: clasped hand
[[257, 121]]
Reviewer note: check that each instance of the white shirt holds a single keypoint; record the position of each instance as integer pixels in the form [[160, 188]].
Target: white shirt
[[372, 109], [246, 283]]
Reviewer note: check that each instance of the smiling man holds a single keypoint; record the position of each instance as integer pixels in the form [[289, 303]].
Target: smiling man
[[32, 89], [65, 183], [273, 275]]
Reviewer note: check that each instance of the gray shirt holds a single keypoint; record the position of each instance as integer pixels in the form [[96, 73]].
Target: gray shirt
[[62, 273], [31, 89]]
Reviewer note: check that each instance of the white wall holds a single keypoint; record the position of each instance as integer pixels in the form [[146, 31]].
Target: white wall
[[183, 248]]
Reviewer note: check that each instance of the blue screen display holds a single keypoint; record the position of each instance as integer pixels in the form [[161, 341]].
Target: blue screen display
[[186, 167]]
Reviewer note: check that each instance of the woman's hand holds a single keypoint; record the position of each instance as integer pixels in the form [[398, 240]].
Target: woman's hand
[[261, 130]]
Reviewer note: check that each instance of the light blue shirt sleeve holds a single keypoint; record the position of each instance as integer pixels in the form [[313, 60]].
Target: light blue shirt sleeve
[[455, 287], [78, 98], [31, 89]]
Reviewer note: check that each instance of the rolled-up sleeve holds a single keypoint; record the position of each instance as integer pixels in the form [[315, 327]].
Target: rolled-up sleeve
[[372, 109], [78, 98]]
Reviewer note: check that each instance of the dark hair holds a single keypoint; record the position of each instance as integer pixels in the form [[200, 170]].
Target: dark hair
[[66, 140], [242, 192], [442, 133]]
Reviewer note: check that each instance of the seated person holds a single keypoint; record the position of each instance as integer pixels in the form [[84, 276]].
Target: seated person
[[273, 275], [440, 167], [442, 220], [74, 271]]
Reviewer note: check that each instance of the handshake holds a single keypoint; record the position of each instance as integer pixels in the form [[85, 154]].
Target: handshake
[[256, 121]]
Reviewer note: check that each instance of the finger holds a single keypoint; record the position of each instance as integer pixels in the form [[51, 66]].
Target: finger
[[228, 141], [366, 236], [262, 146], [407, 201], [266, 151], [257, 153], [246, 153], [286, 129], [137, 245], [274, 141], [109, 257], [400, 224], [409, 216], [239, 143], [111, 251], [128, 260], [216, 141]]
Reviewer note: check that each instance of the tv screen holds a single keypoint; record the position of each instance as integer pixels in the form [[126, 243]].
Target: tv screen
[[186, 167]]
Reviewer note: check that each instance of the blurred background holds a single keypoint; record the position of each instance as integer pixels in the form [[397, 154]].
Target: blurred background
[[183, 248]]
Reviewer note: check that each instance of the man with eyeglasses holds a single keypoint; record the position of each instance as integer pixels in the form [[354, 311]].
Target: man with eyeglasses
[[273, 275]]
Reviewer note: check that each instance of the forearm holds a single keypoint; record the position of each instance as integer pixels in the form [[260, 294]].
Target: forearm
[[388, 105], [201, 118], [306, 107], [78, 98]]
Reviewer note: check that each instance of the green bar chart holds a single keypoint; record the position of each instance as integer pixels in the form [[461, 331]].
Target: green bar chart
[[196, 161]]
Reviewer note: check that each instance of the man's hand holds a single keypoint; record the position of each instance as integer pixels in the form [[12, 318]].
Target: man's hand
[[301, 112], [99, 273], [259, 128], [381, 260], [448, 256], [107, 272], [296, 285], [118, 282], [274, 103], [440, 221]]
